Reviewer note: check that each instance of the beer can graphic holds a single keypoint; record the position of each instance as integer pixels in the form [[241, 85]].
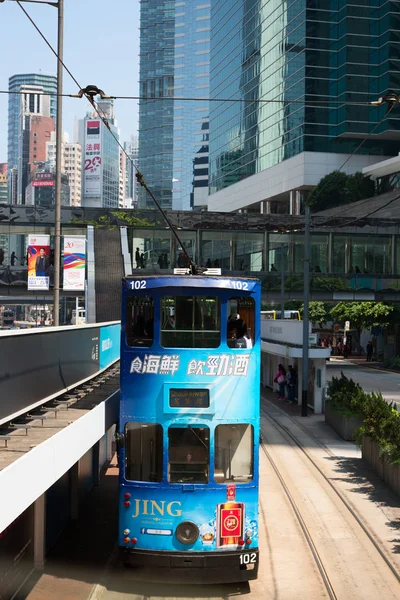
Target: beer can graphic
[[230, 523]]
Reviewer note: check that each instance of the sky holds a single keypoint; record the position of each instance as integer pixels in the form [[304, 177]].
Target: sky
[[101, 47]]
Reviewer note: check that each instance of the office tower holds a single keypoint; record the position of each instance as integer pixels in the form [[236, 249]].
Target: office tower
[[3, 183], [131, 184], [41, 190], [100, 158], [173, 134], [32, 103], [71, 164], [297, 53]]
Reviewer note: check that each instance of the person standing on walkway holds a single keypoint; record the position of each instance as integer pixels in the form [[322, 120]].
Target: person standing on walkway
[[280, 379], [291, 382], [369, 351]]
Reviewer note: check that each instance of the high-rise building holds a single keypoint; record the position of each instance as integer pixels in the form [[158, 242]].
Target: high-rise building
[[100, 158], [297, 53], [3, 183], [71, 164], [41, 190], [156, 79], [173, 135], [27, 90], [131, 183]]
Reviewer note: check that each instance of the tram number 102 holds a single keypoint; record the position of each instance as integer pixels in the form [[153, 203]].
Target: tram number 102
[[246, 559], [138, 285], [240, 285]]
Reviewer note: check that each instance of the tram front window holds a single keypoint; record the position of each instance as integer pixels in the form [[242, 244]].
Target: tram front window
[[233, 453], [140, 321], [190, 322], [189, 454], [144, 452]]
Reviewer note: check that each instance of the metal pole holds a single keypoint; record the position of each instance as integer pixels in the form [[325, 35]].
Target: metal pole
[[57, 208], [282, 283], [304, 398]]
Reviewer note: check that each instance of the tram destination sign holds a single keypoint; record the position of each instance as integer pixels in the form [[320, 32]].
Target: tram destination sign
[[189, 398]]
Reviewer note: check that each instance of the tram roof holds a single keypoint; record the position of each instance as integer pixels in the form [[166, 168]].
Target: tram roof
[[171, 274]]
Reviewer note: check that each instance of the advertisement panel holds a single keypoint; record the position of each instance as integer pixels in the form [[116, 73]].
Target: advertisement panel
[[110, 343], [38, 262], [74, 262], [92, 159]]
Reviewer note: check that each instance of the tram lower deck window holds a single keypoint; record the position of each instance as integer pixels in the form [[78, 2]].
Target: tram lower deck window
[[190, 322], [143, 452], [189, 454], [234, 448]]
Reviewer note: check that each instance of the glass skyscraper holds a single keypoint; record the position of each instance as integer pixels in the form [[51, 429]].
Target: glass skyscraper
[[49, 85], [295, 52], [173, 134]]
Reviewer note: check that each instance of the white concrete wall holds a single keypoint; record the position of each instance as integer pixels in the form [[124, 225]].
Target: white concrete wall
[[302, 171]]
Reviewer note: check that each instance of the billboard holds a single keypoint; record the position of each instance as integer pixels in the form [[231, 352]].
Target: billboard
[[38, 262], [93, 171], [74, 262], [43, 183]]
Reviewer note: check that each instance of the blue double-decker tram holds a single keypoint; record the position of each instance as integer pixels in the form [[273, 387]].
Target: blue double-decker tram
[[189, 426]]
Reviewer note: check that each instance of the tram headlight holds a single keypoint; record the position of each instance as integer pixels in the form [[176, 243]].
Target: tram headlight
[[127, 531], [187, 532]]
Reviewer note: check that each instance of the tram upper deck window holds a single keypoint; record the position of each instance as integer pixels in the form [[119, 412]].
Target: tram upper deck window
[[140, 321], [190, 322], [233, 459], [144, 452], [240, 326], [189, 454]]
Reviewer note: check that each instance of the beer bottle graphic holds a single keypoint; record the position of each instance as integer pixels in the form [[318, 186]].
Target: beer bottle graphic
[[230, 523]]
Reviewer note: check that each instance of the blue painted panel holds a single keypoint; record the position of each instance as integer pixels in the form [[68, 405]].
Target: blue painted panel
[[109, 344]]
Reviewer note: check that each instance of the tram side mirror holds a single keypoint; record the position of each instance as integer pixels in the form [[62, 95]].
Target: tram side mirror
[[120, 440]]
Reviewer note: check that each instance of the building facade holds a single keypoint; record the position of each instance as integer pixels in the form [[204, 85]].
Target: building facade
[[3, 183], [71, 164], [173, 135], [296, 54], [100, 159], [131, 183], [41, 190], [23, 87]]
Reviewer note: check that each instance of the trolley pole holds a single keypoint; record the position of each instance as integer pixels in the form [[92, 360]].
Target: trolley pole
[[57, 207], [304, 395]]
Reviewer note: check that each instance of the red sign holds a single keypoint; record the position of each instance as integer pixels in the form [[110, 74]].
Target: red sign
[[43, 183], [231, 522], [231, 491]]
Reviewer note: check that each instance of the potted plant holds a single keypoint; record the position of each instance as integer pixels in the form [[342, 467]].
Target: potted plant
[[343, 406]]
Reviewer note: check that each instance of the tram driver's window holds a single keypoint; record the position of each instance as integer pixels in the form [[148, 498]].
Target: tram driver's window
[[140, 321], [233, 459], [240, 326], [143, 452], [190, 322], [188, 454]]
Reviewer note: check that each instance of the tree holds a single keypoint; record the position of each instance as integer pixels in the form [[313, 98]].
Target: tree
[[337, 189], [317, 312], [362, 315]]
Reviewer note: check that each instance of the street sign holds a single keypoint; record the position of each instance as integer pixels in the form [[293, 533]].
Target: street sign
[[312, 338], [347, 326]]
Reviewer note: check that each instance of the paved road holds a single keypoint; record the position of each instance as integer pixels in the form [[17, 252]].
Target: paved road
[[371, 380]]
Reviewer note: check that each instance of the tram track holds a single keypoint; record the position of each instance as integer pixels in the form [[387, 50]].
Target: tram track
[[293, 494]]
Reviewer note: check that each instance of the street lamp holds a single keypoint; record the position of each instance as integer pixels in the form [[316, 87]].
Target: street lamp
[[57, 209]]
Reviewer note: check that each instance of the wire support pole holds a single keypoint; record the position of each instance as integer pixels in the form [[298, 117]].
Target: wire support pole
[[304, 395], [57, 207]]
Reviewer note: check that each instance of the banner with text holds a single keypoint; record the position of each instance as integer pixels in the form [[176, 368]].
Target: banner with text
[[38, 262], [93, 173], [74, 262]]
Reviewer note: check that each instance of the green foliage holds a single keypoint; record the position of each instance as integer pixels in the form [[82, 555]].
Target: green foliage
[[381, 419], [345, 396], [362, 315], [317, 312], [392, 363], [114, 219], [337, 189]]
